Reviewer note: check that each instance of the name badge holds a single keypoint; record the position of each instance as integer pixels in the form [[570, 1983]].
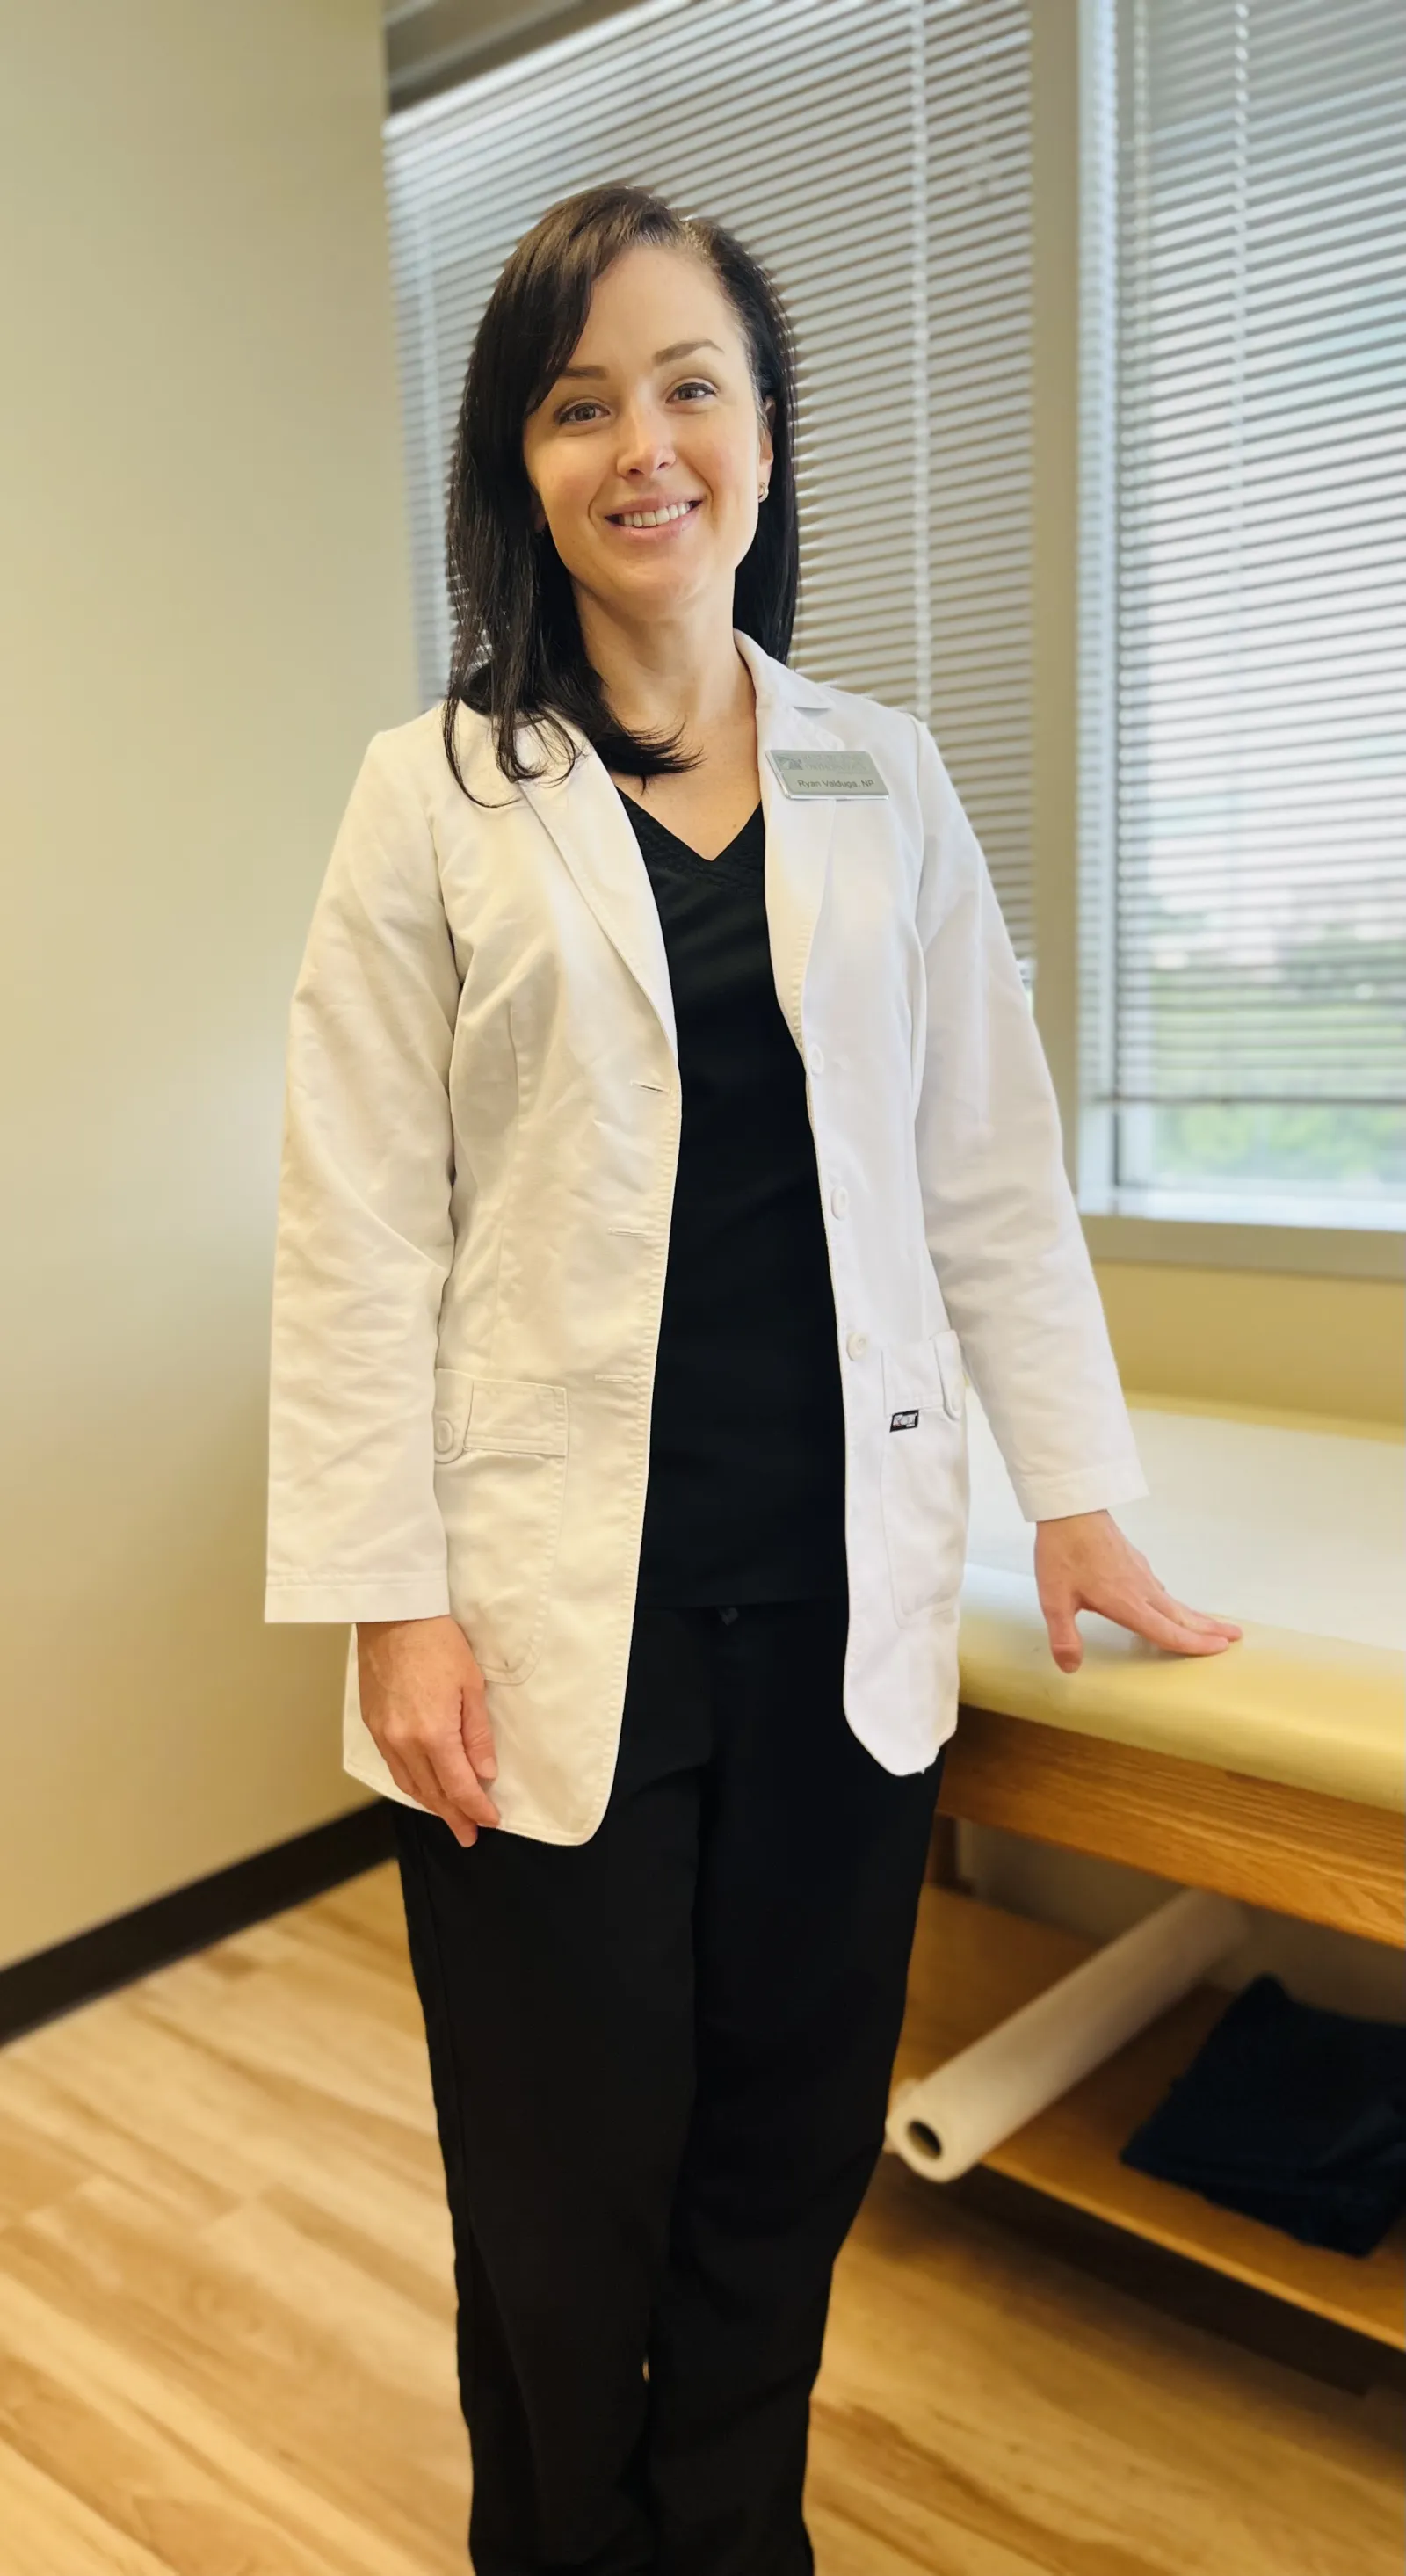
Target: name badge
[[828, 773]]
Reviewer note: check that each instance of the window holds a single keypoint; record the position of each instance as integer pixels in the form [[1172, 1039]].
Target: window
[[875, 155], [1243, 610]]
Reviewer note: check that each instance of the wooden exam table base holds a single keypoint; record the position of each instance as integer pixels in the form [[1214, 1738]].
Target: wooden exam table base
[[1296, 1851]]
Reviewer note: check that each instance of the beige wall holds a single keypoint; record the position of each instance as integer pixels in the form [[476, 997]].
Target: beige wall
[[1265, 1338], [205, 616]]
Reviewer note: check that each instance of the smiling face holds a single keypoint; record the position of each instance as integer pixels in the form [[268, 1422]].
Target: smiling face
[[648, 454]]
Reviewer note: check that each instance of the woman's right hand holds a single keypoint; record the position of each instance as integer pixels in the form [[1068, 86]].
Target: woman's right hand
[[423, 1700]]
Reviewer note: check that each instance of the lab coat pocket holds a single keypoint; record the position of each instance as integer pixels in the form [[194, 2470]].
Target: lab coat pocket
[[924, 1482], [500, 1477]]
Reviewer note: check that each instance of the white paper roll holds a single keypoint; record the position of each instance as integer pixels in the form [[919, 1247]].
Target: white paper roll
[[942, 2124]]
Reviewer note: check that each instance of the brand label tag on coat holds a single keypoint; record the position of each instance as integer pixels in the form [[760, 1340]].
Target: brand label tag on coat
[[904, 1421], [828, 773]]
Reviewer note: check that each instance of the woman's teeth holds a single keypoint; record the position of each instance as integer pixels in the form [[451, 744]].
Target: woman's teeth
[[655, 518]]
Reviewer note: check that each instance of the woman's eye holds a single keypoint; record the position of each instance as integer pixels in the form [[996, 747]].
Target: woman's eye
[[574, 411]]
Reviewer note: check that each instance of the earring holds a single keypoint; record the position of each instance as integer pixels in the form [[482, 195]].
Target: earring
[[766, 487]]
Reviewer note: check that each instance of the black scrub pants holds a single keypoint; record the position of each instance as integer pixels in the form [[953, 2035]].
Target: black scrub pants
[[661, 2062]]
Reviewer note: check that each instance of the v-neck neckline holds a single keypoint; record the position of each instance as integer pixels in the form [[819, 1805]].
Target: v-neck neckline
[[677, 838]]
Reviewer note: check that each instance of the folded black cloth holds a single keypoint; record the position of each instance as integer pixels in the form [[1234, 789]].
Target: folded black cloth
[[1291, 2114]]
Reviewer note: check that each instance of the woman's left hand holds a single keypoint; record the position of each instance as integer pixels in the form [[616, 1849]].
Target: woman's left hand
[[1084, 1562]]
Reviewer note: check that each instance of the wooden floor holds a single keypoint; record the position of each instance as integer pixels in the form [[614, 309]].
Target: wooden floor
[[226, 2327]]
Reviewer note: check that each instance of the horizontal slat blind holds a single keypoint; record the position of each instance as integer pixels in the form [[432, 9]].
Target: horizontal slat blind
[[875, 155], [978, 478], [1259, 794]]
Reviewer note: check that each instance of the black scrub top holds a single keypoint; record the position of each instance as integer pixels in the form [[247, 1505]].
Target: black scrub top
[[745, 1493]]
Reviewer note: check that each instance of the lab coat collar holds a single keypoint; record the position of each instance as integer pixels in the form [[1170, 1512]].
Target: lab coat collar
[[581, 809]]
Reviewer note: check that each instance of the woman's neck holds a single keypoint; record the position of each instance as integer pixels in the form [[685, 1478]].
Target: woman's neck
[[665, 676]]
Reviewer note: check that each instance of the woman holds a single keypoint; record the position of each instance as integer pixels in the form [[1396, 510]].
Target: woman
[[665, 1123]]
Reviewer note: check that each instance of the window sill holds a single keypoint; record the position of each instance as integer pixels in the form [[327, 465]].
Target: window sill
[[1325, 1252]]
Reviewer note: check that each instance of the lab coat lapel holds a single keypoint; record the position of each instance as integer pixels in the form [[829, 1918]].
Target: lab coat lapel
[[583, 813], [798, 831]]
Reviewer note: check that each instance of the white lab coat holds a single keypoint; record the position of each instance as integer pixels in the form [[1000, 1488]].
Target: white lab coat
[[480, 1142]]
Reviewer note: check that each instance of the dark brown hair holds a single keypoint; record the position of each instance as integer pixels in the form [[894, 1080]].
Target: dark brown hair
[[518, 652]]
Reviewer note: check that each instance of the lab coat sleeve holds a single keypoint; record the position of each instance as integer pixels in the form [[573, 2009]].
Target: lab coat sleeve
[[1000, 1218], [364, 1234]]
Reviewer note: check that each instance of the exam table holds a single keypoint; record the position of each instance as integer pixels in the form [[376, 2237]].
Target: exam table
[[1274, 1773]]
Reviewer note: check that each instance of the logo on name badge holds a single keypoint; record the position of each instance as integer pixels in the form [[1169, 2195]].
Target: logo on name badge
[[828, 773], [904, 1421]]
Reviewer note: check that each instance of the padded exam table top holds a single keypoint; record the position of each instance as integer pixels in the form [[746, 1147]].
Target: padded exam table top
[[1296, 1531]]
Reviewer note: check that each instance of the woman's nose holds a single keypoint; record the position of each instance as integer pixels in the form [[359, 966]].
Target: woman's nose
[[645, 445]]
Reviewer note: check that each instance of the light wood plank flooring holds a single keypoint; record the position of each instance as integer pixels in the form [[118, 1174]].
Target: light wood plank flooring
[[226, 2327]]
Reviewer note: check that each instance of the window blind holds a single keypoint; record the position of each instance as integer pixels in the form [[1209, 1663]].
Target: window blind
[[1244, 576], [874, 154]]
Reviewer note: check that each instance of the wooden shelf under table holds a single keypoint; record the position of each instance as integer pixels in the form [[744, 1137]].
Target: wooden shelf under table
[[972, 1965]]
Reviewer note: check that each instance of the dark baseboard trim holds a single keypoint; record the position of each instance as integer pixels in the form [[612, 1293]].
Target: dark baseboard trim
[[75, 1972]]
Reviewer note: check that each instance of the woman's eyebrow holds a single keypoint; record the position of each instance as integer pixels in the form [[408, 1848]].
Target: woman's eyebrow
[[676, 349]]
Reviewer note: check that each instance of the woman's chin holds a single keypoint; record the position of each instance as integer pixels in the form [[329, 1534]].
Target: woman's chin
[[663, 586]]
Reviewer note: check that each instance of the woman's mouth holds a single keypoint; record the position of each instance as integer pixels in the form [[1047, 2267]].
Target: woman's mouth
[[655, 523]]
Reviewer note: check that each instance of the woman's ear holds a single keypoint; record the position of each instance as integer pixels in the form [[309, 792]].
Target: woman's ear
[[766, 453]]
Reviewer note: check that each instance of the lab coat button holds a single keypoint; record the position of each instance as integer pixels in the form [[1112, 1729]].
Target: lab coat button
[[816, 1059], [857, 1345], [839, 1201]]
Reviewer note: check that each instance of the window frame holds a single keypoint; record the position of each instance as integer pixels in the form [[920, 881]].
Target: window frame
[[1072, 848]]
